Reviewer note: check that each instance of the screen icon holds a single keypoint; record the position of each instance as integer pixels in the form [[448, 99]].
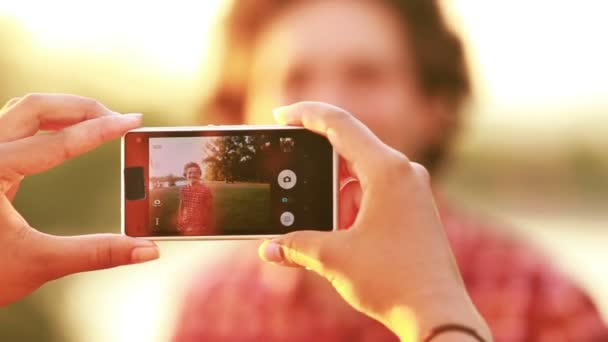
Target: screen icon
[[287, 179], [287, 219]]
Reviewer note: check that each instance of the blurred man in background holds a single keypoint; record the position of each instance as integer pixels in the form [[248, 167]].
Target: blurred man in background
[[395, 66]]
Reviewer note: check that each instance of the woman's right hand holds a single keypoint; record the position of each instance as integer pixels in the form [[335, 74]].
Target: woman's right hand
[[394, 262]]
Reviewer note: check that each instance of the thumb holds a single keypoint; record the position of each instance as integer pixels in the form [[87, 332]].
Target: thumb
[[72, 254], [12, 191], [313, 250], [349, 203]]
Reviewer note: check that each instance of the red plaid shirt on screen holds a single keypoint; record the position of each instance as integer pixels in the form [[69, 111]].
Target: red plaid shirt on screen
[[195, 210], [521, 297]]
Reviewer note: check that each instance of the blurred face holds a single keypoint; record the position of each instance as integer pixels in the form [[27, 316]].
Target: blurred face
[[193, 175], [353, 54]]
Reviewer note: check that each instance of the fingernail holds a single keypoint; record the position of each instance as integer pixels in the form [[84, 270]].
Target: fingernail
[[279, 115], [143, 243], [143, 254], [272, 252], [132, 116], [331, 135]]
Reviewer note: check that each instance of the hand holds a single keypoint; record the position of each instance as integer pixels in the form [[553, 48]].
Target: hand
[[394, 262], [29, 257]]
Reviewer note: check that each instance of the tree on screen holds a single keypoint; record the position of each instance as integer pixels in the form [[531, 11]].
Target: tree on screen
[[235, 158]]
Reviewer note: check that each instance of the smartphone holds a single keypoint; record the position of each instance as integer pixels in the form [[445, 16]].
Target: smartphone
[[227, 182]]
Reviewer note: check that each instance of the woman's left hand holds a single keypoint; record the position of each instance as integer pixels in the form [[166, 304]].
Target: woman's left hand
[[29, 257]]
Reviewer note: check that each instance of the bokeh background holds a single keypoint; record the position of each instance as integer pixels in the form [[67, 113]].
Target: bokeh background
[[532, 154]]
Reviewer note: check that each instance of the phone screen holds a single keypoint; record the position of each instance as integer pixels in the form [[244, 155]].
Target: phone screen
[[242, 182]]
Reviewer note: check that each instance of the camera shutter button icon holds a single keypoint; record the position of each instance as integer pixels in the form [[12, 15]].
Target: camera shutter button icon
[[287, 179]]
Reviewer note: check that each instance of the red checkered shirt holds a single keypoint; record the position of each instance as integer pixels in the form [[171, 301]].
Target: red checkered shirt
[[521, 297], [196, 206]]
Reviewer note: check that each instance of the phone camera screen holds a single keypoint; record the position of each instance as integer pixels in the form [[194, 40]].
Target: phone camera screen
[[258, 182]]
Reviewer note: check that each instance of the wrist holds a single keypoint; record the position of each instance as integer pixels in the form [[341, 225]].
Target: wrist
[[457, 336], [415, 322]]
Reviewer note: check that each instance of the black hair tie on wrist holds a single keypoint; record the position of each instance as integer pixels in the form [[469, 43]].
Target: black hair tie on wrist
[[453, 327]]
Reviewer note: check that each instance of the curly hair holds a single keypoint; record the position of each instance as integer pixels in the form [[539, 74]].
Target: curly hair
[[189, 165]]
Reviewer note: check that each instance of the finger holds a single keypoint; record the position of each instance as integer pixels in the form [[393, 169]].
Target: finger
[[344, 170], [10, 103], [351, 139], [349, 204], [12, 191], [42, 152], [313, 250], [27, 115], [9, 217], [422, 173], [66, 255]]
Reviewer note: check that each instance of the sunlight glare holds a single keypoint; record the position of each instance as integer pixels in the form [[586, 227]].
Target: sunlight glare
[[164, 34]]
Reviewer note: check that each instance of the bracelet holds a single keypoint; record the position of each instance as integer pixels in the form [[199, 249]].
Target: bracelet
[[453, 327]]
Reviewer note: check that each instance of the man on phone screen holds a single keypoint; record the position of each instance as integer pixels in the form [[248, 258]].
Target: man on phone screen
[[195, 204]]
